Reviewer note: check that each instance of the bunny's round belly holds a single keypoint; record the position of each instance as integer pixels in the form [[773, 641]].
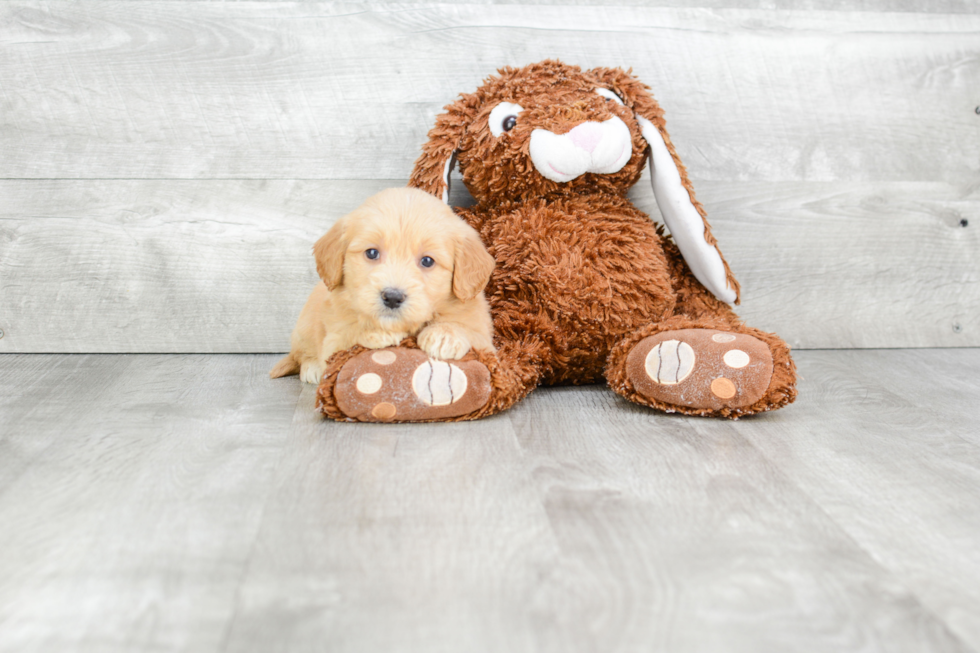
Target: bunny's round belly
[[579, 275]]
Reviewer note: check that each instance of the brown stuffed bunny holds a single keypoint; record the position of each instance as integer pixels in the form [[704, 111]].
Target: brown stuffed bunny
[[586, 287]]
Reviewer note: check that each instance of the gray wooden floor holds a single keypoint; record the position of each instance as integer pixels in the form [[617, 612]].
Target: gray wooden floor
[[188, 503]]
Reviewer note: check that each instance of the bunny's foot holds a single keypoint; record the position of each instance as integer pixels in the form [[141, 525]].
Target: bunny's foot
[[401, 384], [701, 368], [704, 371]]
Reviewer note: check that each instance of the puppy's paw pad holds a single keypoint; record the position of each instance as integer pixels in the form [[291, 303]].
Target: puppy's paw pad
[[405, 385], [701, 368]]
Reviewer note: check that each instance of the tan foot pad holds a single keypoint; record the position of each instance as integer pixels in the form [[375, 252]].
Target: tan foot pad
[[701, 368], [405, 385]]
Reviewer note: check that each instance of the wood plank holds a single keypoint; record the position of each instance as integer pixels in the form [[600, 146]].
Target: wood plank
[[172, 266], [327, 91], [841, 265], [37, 392], [887, 446], [678, 534], [225, 266], [129, 525], [396, 538]]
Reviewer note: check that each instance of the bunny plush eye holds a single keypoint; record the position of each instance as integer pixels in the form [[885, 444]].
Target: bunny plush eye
[[503, 118], [609, 95]]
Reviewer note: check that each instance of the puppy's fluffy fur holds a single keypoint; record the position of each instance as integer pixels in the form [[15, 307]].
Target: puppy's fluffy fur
[[402, 264]]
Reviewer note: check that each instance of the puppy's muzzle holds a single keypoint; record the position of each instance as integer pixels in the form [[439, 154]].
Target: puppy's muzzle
[[392, 297]]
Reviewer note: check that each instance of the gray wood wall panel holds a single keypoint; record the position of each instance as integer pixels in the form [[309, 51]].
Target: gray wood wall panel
[[225, 266], [161, 266], [837, 265], [914, 6], [166, 165], [259, 90]]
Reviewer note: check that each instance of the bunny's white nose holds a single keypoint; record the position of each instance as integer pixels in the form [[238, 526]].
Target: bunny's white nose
[[586, 136], [599, 147]]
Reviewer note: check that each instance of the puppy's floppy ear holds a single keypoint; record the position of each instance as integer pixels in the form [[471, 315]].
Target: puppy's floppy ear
[[684, 215], [432, 168], [472, 264], [329, 254]]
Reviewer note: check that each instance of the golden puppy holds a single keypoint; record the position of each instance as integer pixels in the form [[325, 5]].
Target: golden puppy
[[402, 264]]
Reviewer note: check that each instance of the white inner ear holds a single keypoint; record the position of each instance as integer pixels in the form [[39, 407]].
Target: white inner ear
[[682, 218], [446, 171]]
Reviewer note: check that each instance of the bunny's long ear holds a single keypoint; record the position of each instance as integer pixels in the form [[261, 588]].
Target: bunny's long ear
[[433, 167], [681, 211]]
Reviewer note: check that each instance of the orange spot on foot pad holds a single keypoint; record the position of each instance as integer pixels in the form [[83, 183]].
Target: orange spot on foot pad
[[723, 388], [384, 411]]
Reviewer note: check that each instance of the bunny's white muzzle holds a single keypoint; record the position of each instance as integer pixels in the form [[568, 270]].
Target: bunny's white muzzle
[[600, 147]]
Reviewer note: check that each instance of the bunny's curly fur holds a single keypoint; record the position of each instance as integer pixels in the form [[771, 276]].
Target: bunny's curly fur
[[582, 277]]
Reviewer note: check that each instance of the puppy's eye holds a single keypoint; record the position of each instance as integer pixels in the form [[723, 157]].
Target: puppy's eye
[[503, 118], [372, 254], [609, 95], [427, 261]]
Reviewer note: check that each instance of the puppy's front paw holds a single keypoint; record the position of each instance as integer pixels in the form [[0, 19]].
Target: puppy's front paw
[[312, 371], [381, 339], [443, 341]]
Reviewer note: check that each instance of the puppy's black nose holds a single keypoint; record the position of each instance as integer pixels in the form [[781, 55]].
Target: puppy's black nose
[[392, 297]]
